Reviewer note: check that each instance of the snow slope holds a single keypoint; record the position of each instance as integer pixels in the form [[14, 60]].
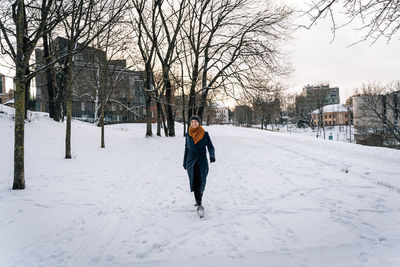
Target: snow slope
[[271, 199], [338, 133]]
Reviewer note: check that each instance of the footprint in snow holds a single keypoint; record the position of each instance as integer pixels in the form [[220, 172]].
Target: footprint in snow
[[285, 251], [141, 255], [363, 257], [289, 233], [42, 206]]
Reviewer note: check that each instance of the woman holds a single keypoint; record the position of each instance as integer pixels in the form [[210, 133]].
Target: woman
[[195, 159]]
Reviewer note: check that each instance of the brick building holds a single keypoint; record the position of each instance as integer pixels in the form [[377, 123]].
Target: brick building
[[124, 87]]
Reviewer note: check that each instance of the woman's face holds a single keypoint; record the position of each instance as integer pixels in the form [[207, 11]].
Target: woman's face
[[194, 124]]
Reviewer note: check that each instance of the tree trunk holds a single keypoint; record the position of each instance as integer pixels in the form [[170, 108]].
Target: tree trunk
[[19, 173], [183, 113], [102, 125], [68, 99], [158, 125], [192, 104], [158, 119], [149, 132], [27, 90], [203, 103], [49, 76], [61, 82], [58, 103], [204, 83], [168, 95], [21, 65], [166, 129]]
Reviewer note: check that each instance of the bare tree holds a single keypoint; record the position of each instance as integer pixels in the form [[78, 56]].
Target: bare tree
[[317, 99], [109, 73], [267, 108], [289, 105], [380, 18], [162, 26], [230, 44], [22, 25], [210, 114], [243, 115], [171, 24], [141, 23], [80, 31], [376, 109], [50, 75]]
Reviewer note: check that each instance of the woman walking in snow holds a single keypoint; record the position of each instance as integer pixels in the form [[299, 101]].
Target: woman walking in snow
[[195, 159]]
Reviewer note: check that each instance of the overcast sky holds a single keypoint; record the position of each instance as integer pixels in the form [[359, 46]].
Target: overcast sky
[[316, 59]]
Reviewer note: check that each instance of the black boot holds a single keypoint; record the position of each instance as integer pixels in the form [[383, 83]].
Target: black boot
[[198, 199]]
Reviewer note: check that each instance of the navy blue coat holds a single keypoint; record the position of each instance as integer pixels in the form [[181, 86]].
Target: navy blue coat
[[197, 153]]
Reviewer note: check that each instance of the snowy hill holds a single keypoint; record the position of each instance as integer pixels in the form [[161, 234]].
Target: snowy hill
[[271, 199]]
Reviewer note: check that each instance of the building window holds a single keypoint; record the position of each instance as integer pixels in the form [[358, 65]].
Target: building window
[[132, 81], [82, 106], [333, 115], [326, 116], [330, 116]]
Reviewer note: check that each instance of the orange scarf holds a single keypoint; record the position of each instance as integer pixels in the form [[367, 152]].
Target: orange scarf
[[197, 133]]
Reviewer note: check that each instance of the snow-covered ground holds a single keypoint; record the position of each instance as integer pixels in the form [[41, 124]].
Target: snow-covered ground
[[271, 199], [341, 133]]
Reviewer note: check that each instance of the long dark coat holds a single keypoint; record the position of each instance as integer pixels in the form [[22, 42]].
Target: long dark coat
[[197, 153]]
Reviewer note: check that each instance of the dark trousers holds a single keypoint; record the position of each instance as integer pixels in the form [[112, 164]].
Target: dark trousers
[[197, 183]]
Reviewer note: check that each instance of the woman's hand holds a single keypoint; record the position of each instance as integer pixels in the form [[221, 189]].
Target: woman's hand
[[212, 160]]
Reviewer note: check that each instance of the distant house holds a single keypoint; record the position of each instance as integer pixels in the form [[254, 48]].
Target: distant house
[[336, 114], [220, 114]]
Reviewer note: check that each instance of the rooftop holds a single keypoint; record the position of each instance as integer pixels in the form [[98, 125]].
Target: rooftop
[[333, 108]]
